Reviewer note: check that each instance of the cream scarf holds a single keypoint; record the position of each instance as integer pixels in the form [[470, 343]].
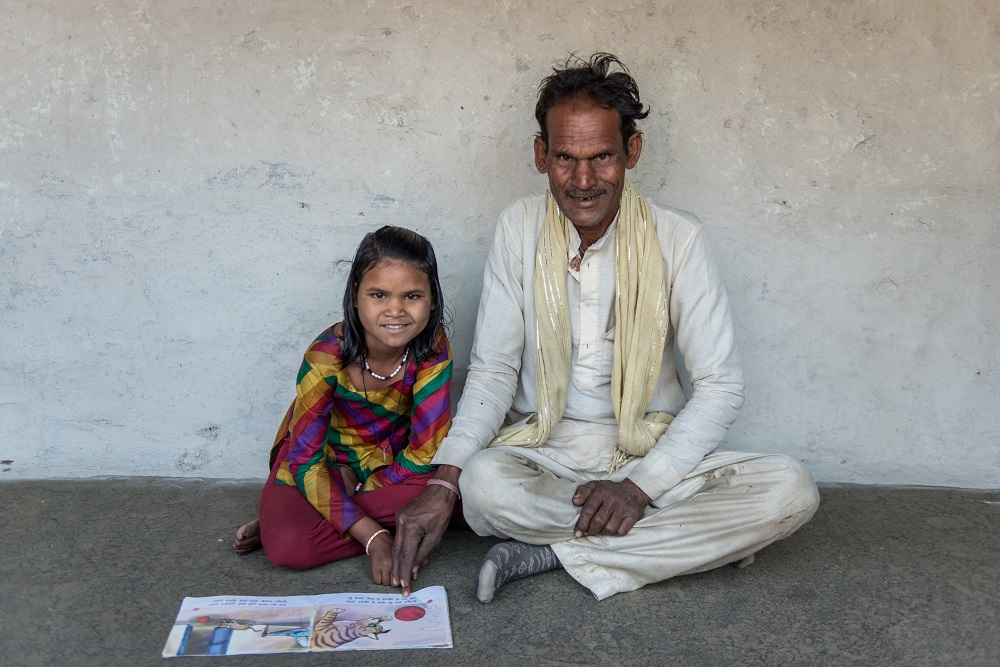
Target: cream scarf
[[640, 331]]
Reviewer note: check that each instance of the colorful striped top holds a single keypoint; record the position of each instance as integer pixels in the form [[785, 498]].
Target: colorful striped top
[[384, 435]]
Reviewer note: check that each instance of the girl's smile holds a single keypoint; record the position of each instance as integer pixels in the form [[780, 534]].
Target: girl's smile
[[394, 304]]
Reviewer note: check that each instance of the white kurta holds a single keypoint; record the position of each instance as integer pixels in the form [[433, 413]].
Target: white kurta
[[525, 493]]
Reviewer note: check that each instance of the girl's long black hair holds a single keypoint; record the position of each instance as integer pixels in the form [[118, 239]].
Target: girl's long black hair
[[406, 246]]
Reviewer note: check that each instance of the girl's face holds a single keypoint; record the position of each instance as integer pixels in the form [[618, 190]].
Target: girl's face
[[394, 304]]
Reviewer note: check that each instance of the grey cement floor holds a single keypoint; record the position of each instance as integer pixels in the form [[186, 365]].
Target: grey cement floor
[[93, 573]]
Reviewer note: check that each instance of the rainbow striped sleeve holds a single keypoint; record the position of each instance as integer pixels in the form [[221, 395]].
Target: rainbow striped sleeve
[[430, 418], [308, 425]]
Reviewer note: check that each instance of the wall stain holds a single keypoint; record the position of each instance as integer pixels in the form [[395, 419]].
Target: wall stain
[[189, 462]]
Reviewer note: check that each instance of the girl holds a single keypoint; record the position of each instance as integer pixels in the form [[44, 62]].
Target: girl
[[372, 405]]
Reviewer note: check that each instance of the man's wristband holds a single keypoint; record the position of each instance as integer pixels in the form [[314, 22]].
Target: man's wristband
[[447, 485]]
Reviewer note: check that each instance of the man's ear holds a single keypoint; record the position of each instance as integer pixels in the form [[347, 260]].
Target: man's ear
[[634, 150], [541, 150]]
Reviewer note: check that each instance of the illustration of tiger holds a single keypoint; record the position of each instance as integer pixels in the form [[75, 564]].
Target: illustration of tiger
[[329, 633]]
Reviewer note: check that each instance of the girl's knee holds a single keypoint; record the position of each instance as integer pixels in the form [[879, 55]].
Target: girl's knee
[[295, 557], [288, 545], [280, 548], [289, 560]]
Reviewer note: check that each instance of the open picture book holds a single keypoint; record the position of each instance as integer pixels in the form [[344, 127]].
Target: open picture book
[[239, 625]]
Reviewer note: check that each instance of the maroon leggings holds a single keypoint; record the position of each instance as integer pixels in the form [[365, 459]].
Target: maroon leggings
[[295, 535]]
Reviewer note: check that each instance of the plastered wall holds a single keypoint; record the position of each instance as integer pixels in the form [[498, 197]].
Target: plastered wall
[[181, 184]]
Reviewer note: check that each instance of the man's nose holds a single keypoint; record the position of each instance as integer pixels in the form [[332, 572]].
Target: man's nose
[[584, 177]]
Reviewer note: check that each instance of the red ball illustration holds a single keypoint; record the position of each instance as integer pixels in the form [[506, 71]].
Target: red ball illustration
[[411, 613], [202, 619]]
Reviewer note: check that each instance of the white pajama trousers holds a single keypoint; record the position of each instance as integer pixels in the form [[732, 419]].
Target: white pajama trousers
[[730, 506]]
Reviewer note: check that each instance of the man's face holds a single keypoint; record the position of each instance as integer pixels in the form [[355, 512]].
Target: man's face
[[586, 162]]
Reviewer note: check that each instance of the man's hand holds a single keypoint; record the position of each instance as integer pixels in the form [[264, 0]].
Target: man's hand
[[420, 526], [609, 508]]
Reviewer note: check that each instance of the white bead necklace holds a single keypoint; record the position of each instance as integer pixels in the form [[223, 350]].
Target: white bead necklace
[[375, 375]]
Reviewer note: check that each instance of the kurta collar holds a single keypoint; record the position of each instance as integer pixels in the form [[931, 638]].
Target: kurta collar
[[573, 247]]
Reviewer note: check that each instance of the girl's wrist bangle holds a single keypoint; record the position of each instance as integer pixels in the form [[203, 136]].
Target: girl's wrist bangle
[[448, 485], [372, 538]]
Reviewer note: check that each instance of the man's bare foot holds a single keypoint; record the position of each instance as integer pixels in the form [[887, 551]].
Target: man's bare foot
[[247, 538]]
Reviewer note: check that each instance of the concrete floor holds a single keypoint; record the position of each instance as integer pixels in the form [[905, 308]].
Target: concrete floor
[[93, 573]]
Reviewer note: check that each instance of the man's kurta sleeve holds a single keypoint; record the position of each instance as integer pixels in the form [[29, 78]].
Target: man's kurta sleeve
[[705, 337], [496, 352]]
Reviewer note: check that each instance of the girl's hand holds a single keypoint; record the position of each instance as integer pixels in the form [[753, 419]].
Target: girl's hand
[[378, 541], [380, 555], [350, 479]]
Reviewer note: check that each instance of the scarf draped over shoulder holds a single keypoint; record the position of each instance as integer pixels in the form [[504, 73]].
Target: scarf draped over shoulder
[[641, 328]]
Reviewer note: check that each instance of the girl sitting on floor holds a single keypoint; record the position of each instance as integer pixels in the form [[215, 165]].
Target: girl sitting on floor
[[372, 405]]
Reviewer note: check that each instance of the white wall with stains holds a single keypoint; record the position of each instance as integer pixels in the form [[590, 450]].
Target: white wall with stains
[[182, 183]]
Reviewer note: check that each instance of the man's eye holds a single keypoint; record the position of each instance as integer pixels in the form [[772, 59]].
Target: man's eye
[[603, 157]]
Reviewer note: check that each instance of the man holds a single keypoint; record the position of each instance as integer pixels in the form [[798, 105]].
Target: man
[[605, 469]]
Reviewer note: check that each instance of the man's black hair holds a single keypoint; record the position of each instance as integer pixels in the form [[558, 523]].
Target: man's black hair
[[400, 244], [593, 79]]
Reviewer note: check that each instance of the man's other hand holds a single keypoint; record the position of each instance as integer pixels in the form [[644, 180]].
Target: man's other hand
[[608, 508], [420, 526]]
